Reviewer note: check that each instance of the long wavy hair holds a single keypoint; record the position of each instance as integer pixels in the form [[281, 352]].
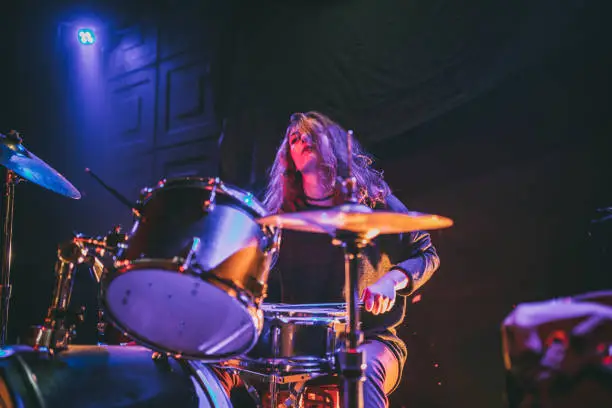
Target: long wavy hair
[[285, 193]]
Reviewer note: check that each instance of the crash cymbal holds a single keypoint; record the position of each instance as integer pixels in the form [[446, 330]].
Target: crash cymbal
[[15, 157], [356, 218]]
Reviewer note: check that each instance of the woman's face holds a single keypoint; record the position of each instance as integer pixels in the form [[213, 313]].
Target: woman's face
[[303, 151]]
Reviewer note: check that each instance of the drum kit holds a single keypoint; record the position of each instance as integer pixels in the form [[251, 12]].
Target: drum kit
[[188, 284]]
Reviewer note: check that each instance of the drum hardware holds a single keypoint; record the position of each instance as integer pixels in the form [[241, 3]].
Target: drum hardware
[[247, 371], [304, 395], [101, 254], [21, 165], [157, 356], [296, 393], [353, 226], [276, 332], [296, 383], [162, 360], [209, 204], [59, 327], [252, 391], [188, 260]]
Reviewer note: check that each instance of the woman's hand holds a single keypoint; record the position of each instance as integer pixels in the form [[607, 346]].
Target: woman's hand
[[380, 297]]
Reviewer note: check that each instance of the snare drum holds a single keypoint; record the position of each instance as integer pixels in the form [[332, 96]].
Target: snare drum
[[193, 270], [297, 339]]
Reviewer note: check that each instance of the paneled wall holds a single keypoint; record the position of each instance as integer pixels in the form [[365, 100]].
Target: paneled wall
[[161, 103]]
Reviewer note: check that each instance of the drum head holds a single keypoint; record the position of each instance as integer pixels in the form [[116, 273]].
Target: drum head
[[181, 314]]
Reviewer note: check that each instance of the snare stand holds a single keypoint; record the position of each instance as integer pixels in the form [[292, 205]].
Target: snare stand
[[8, 207]]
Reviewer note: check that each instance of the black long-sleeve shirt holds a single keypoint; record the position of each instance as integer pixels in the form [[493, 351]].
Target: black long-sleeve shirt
[[310, 270]]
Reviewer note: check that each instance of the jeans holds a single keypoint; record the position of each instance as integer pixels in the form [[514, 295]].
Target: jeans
[[382, 376]]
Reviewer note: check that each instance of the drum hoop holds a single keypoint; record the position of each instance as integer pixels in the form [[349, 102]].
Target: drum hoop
[[323, 311], [206, 379], [236, 293], [310, 321], [207, 183], [122, 266], [242, 196], [150, 345]]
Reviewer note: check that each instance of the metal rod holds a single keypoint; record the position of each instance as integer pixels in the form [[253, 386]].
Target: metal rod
[[69, 254], [8, 206], [273, 387], [352, 359], [352, 257], [62, 292]]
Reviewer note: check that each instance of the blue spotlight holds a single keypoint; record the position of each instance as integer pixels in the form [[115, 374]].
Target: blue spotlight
[[86, 36]]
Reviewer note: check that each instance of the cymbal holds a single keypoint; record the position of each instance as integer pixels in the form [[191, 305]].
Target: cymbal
[[15, 157], [356, 218]]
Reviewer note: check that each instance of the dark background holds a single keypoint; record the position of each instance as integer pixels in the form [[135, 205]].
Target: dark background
[[496, 114]]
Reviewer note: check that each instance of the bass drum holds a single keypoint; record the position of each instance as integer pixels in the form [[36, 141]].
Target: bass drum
[[113, 376]]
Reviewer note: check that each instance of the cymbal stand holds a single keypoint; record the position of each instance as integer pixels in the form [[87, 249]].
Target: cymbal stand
[[351, 358], [8, 207]]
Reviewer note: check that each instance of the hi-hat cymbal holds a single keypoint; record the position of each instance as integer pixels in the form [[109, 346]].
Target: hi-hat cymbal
[[15, 157], [356, 218]]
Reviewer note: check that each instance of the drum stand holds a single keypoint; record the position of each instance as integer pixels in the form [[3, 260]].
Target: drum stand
[[8, 207], [296, 382], [59, 326]]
